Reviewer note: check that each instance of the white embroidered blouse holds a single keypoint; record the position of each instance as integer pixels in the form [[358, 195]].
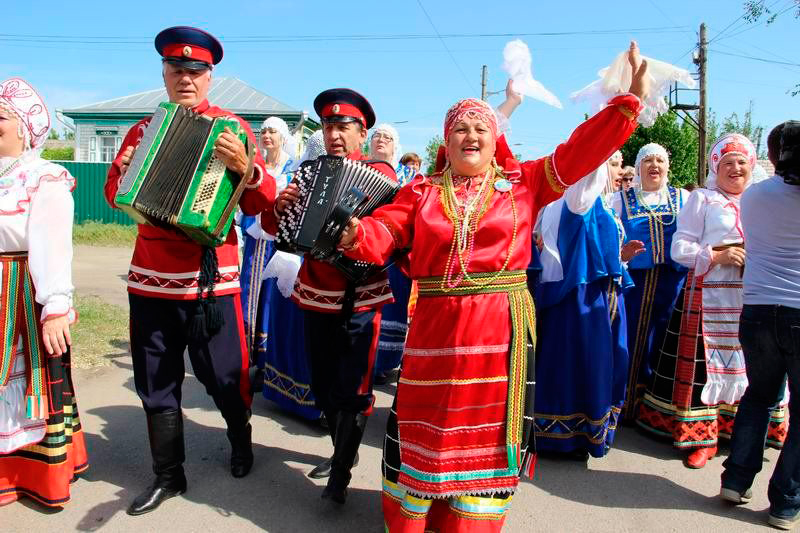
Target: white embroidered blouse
[[36, 210], [708, 219]]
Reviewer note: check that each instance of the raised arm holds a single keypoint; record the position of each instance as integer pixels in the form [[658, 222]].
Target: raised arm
[[593, 142], [589, 146]]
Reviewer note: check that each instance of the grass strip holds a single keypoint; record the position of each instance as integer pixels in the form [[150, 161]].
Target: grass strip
[[100, 234], [101, 333]]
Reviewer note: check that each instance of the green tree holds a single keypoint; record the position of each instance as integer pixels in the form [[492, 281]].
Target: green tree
[[53, 134], [755, 9], [679, 138], [430, 153]]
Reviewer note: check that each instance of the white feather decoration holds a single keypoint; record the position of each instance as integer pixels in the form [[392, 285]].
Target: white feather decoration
[[517, 64]]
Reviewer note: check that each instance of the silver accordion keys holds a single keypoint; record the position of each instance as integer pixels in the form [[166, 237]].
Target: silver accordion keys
[[332, 191]]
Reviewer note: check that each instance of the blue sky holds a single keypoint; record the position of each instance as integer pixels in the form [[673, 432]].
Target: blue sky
[[306, 47]]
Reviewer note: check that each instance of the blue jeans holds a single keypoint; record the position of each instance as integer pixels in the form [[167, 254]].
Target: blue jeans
[[770, 338]]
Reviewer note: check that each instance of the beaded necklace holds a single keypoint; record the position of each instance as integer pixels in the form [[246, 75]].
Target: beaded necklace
[[652, 211], [465, 214], [465, 225]]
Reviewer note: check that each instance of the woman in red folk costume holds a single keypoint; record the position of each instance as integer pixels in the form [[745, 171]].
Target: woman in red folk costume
[[457, 434]]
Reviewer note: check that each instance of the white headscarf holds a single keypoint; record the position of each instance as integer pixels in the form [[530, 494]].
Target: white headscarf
[[389, 130], [610, 187], [278, 124], [645, 151], [729, 143], [315, 147]]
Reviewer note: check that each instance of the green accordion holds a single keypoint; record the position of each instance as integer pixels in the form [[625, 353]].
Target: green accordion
[[175, 179]]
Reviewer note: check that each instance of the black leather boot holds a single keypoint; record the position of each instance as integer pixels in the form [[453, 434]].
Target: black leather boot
[[349, 431], [240, 434], [323, 469], [166, 446]]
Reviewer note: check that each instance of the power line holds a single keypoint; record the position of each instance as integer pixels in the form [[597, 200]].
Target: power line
[[452, 57], [727, 45], [763, 60], [762, 23], [663, 13], [740, 17], [90, 39]]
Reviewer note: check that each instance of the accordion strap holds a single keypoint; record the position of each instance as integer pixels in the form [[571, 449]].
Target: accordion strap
[[237, 193]]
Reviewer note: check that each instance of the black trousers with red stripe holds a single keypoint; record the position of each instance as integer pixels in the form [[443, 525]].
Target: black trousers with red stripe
[[341, 353], [221, 363]]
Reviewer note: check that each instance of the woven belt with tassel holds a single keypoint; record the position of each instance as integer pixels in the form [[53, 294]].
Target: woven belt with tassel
[[19, 317]]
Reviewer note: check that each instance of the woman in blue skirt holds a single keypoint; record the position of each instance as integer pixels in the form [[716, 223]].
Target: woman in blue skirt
[[273, 322], [582, 353], [649, 213]]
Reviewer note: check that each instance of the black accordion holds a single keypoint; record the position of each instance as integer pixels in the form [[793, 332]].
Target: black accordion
[[332, 191]]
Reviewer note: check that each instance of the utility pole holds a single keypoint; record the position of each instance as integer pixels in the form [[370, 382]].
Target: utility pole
[[484, 72], [701, 113]]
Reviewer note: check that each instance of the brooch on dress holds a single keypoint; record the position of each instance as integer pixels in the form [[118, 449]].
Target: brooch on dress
[[502, 185]]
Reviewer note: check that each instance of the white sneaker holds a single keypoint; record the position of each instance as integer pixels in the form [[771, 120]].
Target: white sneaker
[[784, 523]]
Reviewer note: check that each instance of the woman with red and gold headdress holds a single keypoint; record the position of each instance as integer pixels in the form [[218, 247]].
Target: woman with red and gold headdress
[[699, 375], [457, 435]]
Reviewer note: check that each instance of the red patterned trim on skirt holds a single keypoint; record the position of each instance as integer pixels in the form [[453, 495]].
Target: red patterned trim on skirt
[[699, 428]]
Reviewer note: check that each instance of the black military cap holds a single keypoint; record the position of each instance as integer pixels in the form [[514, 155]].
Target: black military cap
[[344, 105], [188, 47]]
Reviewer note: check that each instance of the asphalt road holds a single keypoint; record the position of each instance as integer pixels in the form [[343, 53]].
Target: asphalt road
[[640, 486]]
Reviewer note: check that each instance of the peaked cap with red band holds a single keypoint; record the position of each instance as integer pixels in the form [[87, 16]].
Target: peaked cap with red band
[[188, 47], [344, 105]]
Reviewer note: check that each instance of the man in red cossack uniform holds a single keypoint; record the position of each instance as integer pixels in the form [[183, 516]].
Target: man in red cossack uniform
[[179, 289], [342, 319]]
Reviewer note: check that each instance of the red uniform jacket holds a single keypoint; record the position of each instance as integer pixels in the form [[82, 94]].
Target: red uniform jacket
[[166, 262], [320, 286]]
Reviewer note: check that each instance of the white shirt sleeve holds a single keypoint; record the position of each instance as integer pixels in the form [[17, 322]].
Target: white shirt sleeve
[[50, 246], [503, 123], [687, 248], [581, 196]]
